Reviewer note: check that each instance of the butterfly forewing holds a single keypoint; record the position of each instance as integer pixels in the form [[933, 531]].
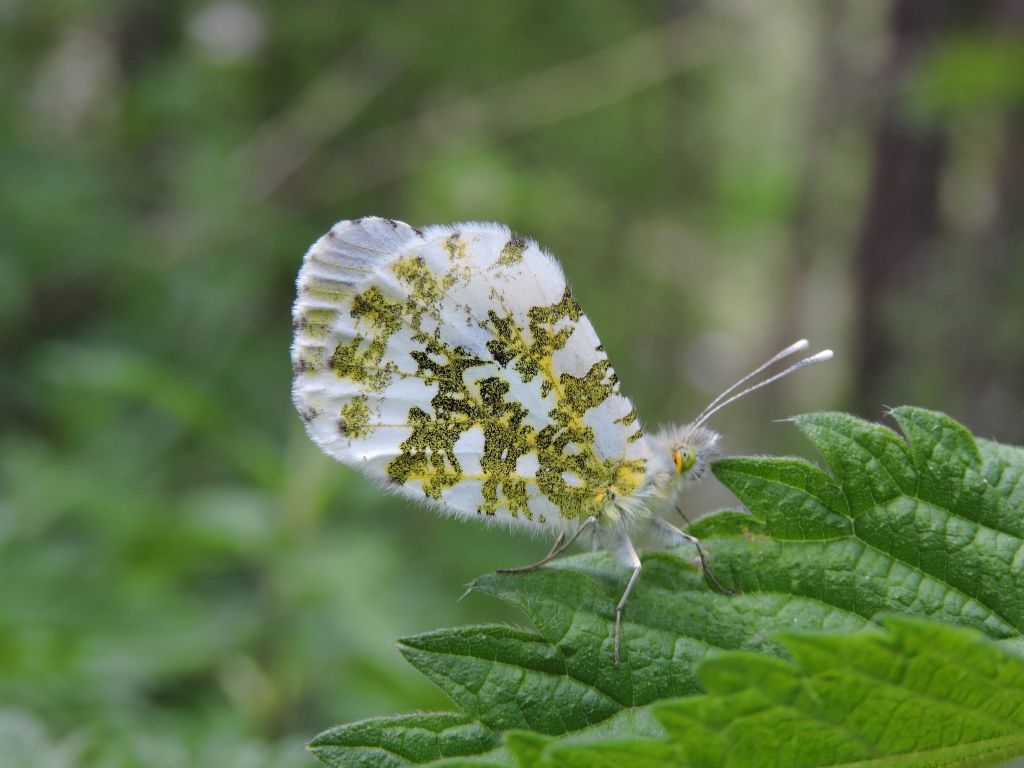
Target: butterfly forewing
[[454, 364]]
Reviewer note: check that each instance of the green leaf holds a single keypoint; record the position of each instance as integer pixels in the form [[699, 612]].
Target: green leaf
[[532, 749], [921, 694], [920, 526], [672, 623], [1003, 469], [930, 525], [507, 678], [427, 738]]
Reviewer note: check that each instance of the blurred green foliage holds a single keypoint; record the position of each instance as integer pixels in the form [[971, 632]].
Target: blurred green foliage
[[184, 579]]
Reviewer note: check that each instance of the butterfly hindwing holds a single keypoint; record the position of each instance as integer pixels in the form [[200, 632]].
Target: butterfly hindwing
[[454, 364]]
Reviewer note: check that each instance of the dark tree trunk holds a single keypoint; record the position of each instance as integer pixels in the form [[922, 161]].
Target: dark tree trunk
[[975, 368], [902, 216]]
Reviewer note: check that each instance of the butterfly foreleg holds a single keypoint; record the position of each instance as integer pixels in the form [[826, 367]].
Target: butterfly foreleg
[[558, 548], [674, 536]]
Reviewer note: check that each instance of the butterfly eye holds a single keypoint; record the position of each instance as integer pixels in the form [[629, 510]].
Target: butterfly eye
[[684, 459]]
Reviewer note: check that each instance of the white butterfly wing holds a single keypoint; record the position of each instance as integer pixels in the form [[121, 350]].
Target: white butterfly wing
[[454, 364]]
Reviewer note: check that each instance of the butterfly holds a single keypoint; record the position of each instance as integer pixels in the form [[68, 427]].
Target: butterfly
[[453, 365]]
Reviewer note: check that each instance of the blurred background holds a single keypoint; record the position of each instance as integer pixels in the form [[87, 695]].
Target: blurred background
[[184, 578]]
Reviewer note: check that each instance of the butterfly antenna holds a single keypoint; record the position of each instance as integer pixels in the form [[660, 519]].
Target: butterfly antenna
[[798, 346], [820, 357]]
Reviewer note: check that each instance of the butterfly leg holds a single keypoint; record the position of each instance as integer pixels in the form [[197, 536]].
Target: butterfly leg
[[674, 536], [560, 546], [628, 554], [682, 514], [556, 545]]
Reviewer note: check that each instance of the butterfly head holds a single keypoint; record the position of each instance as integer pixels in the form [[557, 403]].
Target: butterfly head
[[685, 451]]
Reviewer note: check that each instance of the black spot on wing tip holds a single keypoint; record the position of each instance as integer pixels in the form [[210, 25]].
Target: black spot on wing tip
[[332, 233], [308, 414], [418, 231]]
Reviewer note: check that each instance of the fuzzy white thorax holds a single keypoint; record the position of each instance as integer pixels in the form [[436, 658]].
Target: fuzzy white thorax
[[663, 483]]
